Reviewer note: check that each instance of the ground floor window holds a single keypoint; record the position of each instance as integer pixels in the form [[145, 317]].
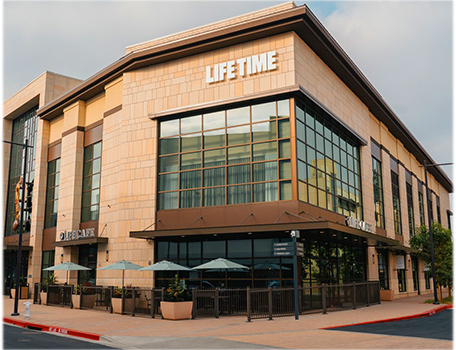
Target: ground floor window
[[383, 269], [415, 274], [47, 261], [324, 261], [88, 258]]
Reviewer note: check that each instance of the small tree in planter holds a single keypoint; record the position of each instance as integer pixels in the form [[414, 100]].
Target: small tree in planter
[[50, 281], [23, 288], [117, 300], [176, 304], [85, 295]]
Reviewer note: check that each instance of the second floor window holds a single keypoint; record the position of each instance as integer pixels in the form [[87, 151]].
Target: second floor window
[[411, 216], [396, 198], [52, 193], [91, 182], [378, 192]]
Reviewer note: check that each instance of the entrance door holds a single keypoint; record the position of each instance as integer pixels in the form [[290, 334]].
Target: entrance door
[[88, 258]]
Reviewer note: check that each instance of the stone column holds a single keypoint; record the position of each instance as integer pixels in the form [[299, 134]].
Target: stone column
[[387, 195], [372, 264]]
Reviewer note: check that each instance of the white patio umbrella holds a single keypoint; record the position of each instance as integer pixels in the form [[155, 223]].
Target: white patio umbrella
[[221, 264], [165, 265], [121, 265], [67, 266]]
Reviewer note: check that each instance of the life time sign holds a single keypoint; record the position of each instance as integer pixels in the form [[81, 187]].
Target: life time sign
[[360, 225], [242, 67], [77, 234]]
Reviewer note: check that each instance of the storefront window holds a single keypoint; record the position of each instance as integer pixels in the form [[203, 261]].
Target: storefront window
[[328, 164], [48, 259], [415, 273], [244, 157], [400, 267], [52, 193], [383, 269], [91, 182]]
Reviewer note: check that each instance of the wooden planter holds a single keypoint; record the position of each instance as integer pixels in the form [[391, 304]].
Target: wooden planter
[[88, 300], [386, 294], [176, 310], [23, 292], [43, 298]]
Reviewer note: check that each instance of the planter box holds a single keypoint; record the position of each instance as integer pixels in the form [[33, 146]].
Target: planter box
[[23, 292], [176, 311], [88, 300], [128, 304], [386, 294], [43, 298]]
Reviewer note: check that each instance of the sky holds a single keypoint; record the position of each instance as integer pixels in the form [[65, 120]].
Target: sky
[[403, 48]]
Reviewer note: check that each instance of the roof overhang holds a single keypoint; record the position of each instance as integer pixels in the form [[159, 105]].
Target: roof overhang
[[299, 20], [95, 240]]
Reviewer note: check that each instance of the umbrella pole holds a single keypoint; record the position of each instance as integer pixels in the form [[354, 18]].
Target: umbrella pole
[[123, 276], [68, 272]]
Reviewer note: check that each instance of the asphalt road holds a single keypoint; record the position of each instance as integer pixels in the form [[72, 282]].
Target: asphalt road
[[438, 326], [22, 338]]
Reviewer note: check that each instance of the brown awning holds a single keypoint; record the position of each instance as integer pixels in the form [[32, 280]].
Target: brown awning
[[95, 240], [302, 226], [14, 247]]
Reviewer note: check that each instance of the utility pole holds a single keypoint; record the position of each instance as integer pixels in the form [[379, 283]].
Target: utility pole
[[21, 225]]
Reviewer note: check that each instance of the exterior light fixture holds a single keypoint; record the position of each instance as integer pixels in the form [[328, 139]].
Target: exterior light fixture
[[61, 258], [373, 258], [107, 255]]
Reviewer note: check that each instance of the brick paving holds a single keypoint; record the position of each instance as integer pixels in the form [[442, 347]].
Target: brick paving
[[143, 332]]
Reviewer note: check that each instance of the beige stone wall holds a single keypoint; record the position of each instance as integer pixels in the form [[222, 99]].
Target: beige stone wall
[[95, 107], [56, 129]]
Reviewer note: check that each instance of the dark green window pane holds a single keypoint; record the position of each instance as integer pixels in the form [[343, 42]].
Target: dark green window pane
[[239, 194], [239, 174], [343, 144], [194, 250], [88, 153], [320, 143], [301, 151], [336, 153], [310, 137], [302, 173], [238, 116], [264, 131], [238, 135], [239, 154], [190, 199], [88, 168], [168, 200], [51, 167], [265, 151], [168, 182], [239, 248], [91, 182], [284, 149], [214, 249], [328, 149], [190, 179], [318, 126], [328, 133], [335, 139], [320, 161], [264, 247], [214, 158], [283, 108], [266, 171], [213, 139], [285, 169], [169, 164], [190, 124], [86, 198], [343, 158], [214, 120], [265, 192], [214, 196], [285, 190], [191, 142], [170, 145], [191, 161], [214, 177], [93, 213], [169, 128], [264, 111], [85, 216], [310, 121], [284, 128], [311, 156], [300, 131], [300, 115]]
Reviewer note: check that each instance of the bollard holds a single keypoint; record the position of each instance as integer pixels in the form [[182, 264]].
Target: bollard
[[27, 310]]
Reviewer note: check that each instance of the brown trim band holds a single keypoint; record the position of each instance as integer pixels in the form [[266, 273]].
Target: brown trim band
[[112, 111], [54, 152], [94, 125], [72, 130], [55, 143], [96, 240]]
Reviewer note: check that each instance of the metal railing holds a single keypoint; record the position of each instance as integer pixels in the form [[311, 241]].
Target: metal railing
[[253, 303]]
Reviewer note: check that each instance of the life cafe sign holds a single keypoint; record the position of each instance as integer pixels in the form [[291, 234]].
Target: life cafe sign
[[242, 67], [77, 234], [358, 224]]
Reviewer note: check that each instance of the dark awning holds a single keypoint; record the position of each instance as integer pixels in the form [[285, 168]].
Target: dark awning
[[94, 240]]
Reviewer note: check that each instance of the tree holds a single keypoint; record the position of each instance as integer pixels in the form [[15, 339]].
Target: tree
[[443, 251]]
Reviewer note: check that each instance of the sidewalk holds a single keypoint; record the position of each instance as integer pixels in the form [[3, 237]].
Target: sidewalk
[[284, 332]]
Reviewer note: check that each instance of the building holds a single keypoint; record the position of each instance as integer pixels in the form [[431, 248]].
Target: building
[[217, 142]]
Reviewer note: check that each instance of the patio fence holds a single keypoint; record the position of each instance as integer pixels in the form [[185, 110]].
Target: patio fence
[[254, 303]]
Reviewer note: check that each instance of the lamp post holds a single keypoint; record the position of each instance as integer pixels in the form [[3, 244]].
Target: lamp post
[[21, 224], [431, 240]]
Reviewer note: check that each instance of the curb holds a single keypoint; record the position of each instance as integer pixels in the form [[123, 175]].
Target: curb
[[420, 315], [52, 329]]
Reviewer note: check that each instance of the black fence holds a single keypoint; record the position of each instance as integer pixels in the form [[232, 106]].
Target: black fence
[[252, 303]]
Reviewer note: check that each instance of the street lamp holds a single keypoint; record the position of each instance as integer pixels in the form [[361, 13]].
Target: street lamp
[[428, 199], [19, 247]]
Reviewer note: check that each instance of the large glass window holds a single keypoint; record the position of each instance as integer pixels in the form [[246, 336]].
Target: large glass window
[[328, 164], [244, 157], [48, 259], [24, 127], [91, 182], [52, 193], [437, 201], [396, 201], [421, 203], [378, 192], [383, 269], [411, 217]]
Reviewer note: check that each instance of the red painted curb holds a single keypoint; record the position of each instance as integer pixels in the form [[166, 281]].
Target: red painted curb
[[52, 329], [423, 314]]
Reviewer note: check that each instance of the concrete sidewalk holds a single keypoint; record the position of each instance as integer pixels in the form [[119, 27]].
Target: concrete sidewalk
[[143, 332]]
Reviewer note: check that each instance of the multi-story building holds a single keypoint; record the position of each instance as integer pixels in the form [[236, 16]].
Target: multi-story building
[[217, 142]]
